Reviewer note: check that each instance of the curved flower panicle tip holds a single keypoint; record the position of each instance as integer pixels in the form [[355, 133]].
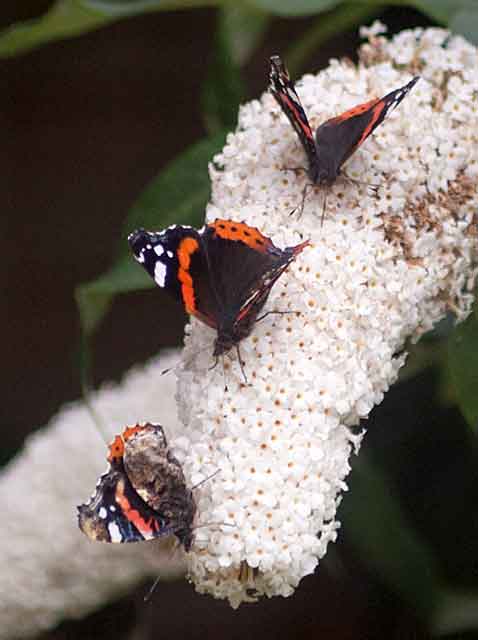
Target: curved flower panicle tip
[[383, 268], [50, 570]]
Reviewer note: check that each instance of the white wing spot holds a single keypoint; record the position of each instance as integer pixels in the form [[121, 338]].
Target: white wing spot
[[112, 508], [102, 513], [159, 250], [160, 271], [170, 254], [115, 533]]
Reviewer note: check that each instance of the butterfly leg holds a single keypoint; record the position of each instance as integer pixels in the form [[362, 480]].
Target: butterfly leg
[[373, 187], [324, 207], [213, 366], [307, 187], [278, 313], [223, 371], [241, 364], [151, 590]]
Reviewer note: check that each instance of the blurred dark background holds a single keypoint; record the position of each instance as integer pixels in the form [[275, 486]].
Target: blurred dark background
[[87, 124]]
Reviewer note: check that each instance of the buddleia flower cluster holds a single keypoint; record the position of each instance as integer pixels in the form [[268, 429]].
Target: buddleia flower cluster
[[384, 267]]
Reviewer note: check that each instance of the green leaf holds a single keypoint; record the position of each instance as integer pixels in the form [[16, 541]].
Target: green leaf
[[244, 27], [66, 18], [295, 7], [457, 612], [134, 7], [70, 18], [465, 22], [95, 298], [223, 89], [443, 10], [178, 195], [463, 364], [460, 16], [122, 7], [387, 542]]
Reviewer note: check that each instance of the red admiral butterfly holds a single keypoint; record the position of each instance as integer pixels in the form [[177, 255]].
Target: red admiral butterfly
[[222, 274], [336, 139], [143, 495]]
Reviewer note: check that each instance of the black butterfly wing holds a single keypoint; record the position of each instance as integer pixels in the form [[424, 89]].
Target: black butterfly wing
[[245, 264], [338, 138], [284, 92], [176, 261], [115, 513], [222, 274]]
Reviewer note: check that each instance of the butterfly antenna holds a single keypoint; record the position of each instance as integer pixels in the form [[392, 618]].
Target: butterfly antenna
[[306, 188], [241, 364], [361, 183], [214, 524], [196, 486], [151, 590], [178, 365], [187, 362], [213, 366], [224, 374], [324, 207]]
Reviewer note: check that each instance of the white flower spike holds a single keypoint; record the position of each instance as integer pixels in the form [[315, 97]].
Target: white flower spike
[[381, 269]]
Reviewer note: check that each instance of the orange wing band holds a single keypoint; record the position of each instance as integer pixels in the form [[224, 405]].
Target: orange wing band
[[252, 237], [185, 250]]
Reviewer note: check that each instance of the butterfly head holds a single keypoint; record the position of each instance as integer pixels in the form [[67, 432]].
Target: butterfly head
[[184, 530], [322, 175], [277, 68]]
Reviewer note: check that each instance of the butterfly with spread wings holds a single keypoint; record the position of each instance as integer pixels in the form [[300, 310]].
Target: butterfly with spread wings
[[338, 138], [222, 274]]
